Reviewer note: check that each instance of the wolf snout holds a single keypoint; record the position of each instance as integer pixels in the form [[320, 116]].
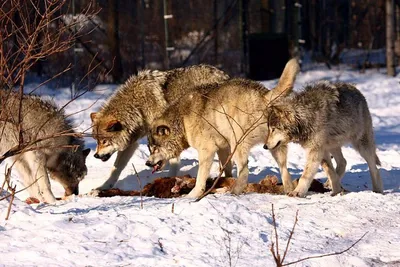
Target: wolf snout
[[272, 148], [149, 163], [102, 157], [71, 191]]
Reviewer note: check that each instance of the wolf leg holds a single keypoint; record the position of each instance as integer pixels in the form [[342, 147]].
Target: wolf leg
[[223, 155], [366, 147], [37, 165], [206, 157], [280, 156], [174, 167], [26, 174], [314, 158], [333, 177], [241, 158], [120, 163], [340, 162], [340, 165]]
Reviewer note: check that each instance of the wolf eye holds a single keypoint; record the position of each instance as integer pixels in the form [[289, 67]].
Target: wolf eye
[[104, 142]]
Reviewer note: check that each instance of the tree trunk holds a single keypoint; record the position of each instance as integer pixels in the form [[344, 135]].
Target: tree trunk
[[113, 37], [265, 16], [390, 38], [216, 34], [278, 17]]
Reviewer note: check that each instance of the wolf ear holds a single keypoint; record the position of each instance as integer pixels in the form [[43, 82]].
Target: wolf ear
[[86, 152], [163, 130], [93, 116], [280, 115], [114, 126]]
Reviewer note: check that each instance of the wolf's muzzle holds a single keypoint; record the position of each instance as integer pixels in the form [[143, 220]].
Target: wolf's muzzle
[[103, 157], [149, 164], [71, 191], [266, 146]]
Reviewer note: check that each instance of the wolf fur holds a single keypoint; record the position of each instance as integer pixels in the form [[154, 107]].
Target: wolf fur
[[322, 118], [63, 157], [126, 116], [226, 118]]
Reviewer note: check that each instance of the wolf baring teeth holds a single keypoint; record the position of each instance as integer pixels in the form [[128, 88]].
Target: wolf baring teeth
[[126, 117], [222, 118], [322, 118]]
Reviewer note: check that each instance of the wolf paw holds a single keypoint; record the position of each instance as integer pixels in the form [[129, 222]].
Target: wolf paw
[[238, 189], [327, 185], [94, 192], [47, 198], [195, 193], [296, 193], [288, 188], [340, 191]]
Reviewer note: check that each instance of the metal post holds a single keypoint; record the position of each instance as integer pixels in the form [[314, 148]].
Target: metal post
[[216, 33], [244, 33], [142, 33], [390, 38], [167, 47], [73, 86]]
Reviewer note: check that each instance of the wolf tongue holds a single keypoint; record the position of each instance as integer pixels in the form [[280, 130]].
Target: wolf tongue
[[155, 167]]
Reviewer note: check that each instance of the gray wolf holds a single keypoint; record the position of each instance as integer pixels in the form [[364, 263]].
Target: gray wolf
[[224, 119], [126, 117], [62, 156], [322, 118]]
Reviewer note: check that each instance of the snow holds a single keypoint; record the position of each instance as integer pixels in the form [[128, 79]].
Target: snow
[[89, 231]]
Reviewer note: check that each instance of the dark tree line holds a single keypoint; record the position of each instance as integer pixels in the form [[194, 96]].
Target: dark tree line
[[129, 35]]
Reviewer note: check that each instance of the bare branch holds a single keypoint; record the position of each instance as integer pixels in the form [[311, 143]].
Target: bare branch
[[140, 186], [275, 245], [290, 235], [329, 254]]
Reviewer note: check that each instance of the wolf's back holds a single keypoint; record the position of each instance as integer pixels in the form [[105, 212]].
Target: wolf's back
[[181, 81], [40, 118]]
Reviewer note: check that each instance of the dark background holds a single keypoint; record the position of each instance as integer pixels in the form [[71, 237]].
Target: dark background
[[250, 38]]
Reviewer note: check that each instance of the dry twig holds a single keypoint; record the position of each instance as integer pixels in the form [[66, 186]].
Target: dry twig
[[275, 246], [140, 186]]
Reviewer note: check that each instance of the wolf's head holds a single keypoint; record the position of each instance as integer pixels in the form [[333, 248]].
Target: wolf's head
[[283, 125], [69, 168], [280, 116], [166, 140], [109, 134]]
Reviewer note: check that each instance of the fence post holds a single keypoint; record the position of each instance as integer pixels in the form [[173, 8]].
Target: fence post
[[390, 38]]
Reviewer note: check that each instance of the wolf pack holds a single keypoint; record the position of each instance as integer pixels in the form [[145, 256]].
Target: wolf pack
[[201, 107]]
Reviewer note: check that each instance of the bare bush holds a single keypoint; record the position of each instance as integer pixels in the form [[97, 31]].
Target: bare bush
[[30, 32], [280, 261]]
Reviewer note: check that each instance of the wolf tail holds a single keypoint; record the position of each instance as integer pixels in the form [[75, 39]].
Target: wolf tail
[[286, 81], [378, 162]]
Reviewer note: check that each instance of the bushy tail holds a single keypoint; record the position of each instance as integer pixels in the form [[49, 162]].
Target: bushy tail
[[378, 162], [286, 81]]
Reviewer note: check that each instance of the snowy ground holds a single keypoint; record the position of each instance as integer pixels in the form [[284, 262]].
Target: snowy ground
[[87, 231]]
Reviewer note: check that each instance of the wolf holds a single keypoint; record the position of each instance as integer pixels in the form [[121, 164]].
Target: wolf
[[227, 118], [61, 152], [322, 118], [126, 117]]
